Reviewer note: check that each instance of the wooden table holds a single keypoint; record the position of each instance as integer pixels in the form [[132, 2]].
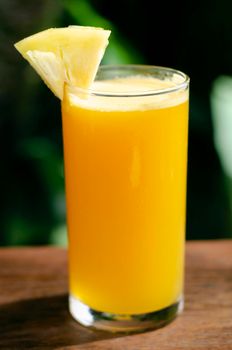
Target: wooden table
[[34, 312]]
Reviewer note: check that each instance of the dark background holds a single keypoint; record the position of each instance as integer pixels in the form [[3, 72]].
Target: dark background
[[193, 36]]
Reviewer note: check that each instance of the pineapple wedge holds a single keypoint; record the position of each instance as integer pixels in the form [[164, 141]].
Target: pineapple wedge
[[65, 55]]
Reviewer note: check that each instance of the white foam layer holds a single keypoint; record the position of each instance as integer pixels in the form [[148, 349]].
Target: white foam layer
[[128, 86]]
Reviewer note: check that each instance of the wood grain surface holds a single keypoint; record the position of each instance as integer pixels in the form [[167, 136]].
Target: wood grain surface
[[34, 312]]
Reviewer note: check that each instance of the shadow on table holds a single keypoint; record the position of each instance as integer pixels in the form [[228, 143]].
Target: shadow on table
[[43, 323]]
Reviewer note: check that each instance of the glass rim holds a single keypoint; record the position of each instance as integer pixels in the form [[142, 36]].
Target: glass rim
[[144, 68]]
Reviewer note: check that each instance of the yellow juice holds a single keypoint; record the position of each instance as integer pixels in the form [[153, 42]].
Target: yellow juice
[[125, 172]]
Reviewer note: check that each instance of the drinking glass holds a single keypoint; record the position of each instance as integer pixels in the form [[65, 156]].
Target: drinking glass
[[125, 152]]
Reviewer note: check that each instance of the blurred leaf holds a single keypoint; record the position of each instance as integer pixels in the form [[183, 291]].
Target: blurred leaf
[[24, 231], [59, 236], [83, 12], [120, 51], [48, 160]]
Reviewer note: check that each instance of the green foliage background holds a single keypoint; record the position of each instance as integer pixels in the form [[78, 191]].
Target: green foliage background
[[32, 181]]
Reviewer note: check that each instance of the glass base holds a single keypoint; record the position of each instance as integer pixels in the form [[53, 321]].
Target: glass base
[[123, 323]]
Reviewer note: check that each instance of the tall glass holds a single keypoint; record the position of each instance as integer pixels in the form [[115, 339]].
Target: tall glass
[[125, 150]]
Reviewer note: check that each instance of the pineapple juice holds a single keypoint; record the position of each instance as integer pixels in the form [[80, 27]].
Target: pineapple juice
[[125, 171]]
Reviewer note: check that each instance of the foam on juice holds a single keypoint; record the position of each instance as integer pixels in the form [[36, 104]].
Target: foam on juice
[[143, 93]]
